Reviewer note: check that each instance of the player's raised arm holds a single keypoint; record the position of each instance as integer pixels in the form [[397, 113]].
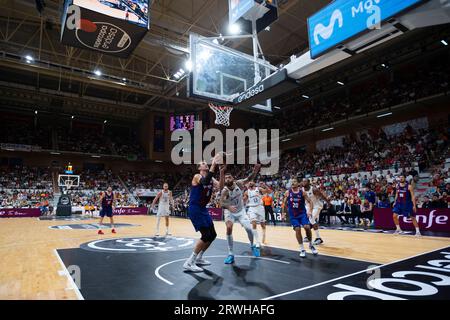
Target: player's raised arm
[[245, 197], [241, 183]]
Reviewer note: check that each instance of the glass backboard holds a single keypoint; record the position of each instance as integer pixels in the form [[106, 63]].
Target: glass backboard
[[221, 74]]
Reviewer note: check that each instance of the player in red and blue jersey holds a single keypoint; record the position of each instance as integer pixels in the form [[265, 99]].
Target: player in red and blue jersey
[[107, 204], [405, 205], [295, 203], [203, 184]]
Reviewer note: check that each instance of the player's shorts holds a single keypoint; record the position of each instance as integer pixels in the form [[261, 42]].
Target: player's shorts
[[404, 209], [315, 214], [299, 221], [163, 211], [240, 216], [106, 211], [200, 217], [257, 213]]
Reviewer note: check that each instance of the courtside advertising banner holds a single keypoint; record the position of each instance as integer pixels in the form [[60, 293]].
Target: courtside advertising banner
[[437, 220], [20, 213], [131, 211], [216, 214], [113, 27]]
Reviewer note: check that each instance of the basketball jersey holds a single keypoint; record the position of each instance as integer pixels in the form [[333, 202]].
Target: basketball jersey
[[403, 194], [296, 203], [200, 195], [315, 199], [254, 198], [164, 199], [235, 197], [107, 200]]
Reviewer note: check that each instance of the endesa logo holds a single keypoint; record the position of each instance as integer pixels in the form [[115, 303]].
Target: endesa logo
[[251, 93]]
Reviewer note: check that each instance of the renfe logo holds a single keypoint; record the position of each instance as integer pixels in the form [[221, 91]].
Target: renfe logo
[[428, 221], [251, 93], [327, 31]]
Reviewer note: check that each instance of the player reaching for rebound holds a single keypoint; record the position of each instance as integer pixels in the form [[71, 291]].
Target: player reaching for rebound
[[165, 199], [316, 196], [107, 203], [201, 191], [232, 201], [405, 205], [294, 200], [256, 212]]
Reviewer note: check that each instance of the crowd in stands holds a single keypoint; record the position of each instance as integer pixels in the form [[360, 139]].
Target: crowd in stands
[[375, 94], [25, 187]]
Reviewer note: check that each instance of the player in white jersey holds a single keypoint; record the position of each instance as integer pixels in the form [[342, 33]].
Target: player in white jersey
[[314, 210], [232, 201], [165, 200], [256, 212]]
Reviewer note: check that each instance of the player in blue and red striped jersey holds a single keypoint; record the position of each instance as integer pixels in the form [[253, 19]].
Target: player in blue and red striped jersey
[[203, 184], [294, 202], [405, 205]]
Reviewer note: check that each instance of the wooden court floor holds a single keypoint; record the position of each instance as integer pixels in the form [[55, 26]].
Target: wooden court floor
[[30, 269]]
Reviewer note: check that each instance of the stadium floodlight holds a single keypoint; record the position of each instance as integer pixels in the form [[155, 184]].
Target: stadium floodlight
[[97, 72], [29, 58], [73, 117], [278, 108], [305, 96], [340, 83], [159, 161], [286, 140], [444, 42], [234, 28], [106, 121], [35, 112], [328, 129], [177, 76], [188, 65], [384, 115]]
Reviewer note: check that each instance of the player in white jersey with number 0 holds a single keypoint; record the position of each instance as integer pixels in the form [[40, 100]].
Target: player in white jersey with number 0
[[165, 200], [256, 212], [314, 210]]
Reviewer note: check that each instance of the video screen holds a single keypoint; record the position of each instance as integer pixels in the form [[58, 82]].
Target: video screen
[[184, 122], [135, 11]]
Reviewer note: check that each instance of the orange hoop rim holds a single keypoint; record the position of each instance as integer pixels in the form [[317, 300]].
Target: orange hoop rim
[[219, 107]]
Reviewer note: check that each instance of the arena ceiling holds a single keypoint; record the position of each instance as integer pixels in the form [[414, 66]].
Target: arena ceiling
[[59, 76], [60, 79]]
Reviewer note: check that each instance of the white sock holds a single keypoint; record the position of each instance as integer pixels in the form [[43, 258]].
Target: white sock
[[417, 230], [255, 236], [158, 220], [192, 258], [167, 229], [398, 228], [230, 244], [200, 255], [250, 234], [302, 247], [317, 233]]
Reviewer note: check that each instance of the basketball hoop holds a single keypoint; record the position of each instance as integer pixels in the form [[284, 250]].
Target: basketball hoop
[[222, 114]]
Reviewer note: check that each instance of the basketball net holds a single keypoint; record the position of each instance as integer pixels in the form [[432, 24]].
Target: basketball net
[[222, 114]]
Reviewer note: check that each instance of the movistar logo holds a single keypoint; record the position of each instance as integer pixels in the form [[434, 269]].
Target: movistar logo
[[327, 31]]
